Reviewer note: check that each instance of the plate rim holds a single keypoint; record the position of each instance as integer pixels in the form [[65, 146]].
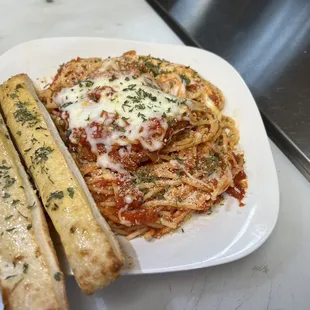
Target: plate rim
[[276, 207]]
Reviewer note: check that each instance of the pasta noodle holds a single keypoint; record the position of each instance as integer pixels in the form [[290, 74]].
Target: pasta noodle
[[149, 138]]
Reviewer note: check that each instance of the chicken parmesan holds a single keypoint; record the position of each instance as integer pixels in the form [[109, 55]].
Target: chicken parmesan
[[150, 140]]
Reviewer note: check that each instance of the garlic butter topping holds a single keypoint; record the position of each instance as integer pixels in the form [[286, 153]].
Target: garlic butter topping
[[131, 105]]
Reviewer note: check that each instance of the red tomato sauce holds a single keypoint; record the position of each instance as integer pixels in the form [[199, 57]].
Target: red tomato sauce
[[238, 191]]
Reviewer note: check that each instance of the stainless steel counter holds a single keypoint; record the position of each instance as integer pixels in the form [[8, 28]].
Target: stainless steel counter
[[276, 276], [268, 42]]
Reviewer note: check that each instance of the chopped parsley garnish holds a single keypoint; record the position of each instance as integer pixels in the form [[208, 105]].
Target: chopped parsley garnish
[[29, 226], [130, 87], [142, 116], [31, 206], [171, 100], [160, 197], [66, 104], [25, 268], [3, 167], [25, 217], [145, 176], [170, 122], [6, 195], [153, 68], [8, 217], [89, 83], [10, 229], [179, 171], [140, 106], [113, 78], [185, 79], [9, 277], [8, 182], [211, 162], [141, 94], [57, 276], [125, 104], [13, 96], [41, 154], [70, 191], [40, 128], [55, 195], [23, 115], [55, 207], [34, 140], [179, 160]]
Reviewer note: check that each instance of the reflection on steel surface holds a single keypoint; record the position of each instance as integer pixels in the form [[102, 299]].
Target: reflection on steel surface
[[268, 42]]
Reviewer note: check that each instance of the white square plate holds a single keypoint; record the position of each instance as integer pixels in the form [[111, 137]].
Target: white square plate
[[231, 232]]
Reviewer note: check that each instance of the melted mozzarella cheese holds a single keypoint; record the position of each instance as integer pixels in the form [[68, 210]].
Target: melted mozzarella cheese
[[129, 104], [105, 161], [130, 98]]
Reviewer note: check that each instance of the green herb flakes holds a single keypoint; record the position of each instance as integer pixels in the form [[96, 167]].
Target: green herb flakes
[[9, 277], [66, 104], [41, 155], [185, 79], [8, 182], [179, 171], [31, 206], [25, 268], [57, 276], [70, 191], [153, 68], [55, 195], [55, 207], [13, 96], [25, 217]]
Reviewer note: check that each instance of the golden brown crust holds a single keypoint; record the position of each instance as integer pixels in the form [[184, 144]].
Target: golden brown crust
[[62, 193], [27, 269]]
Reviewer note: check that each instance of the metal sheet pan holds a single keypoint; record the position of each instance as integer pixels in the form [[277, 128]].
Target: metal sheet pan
[[268, 42]]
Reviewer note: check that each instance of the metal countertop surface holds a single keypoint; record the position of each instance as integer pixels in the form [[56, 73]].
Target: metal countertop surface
[[268, 42]]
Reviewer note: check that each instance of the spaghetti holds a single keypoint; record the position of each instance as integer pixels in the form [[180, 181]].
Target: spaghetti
[[149, 139]]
